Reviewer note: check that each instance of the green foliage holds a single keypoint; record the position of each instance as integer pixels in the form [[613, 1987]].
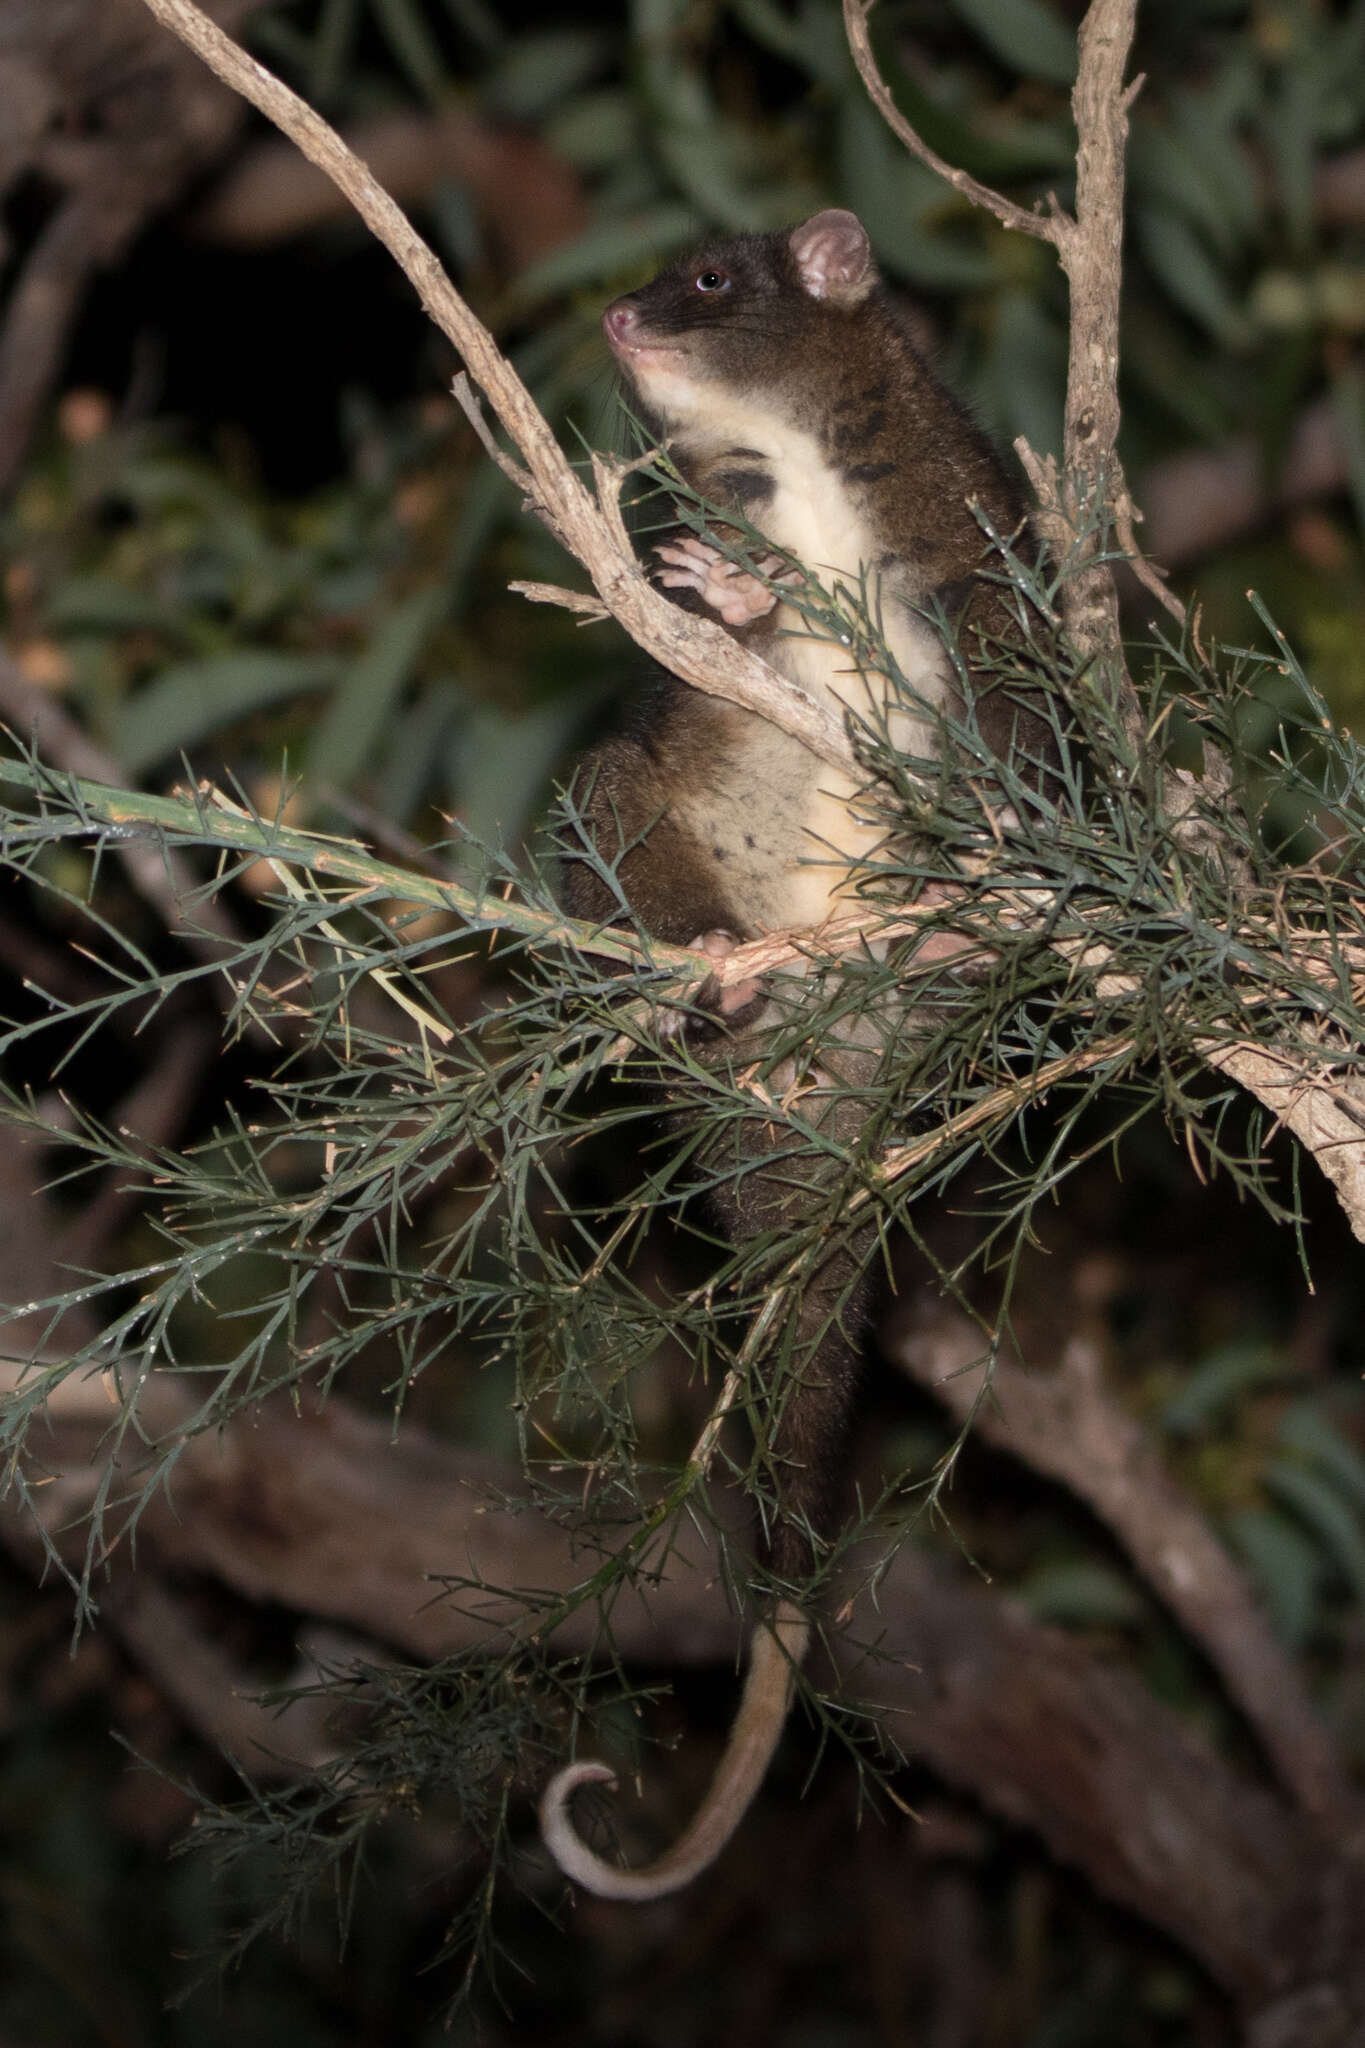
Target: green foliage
[[191, 618], [386, 1098]]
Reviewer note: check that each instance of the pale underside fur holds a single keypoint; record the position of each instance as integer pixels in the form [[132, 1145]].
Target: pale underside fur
[[771, 790]]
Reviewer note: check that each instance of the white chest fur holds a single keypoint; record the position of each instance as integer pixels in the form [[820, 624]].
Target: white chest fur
[[813, 516]]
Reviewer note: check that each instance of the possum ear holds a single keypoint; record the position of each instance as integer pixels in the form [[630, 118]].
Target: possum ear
[[833, 256]]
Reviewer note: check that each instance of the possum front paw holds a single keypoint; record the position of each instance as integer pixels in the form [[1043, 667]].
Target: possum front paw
[[720, 999], [724, 587], [729, 996]]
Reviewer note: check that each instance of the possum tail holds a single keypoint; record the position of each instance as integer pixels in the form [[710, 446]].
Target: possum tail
[[776, 1650]]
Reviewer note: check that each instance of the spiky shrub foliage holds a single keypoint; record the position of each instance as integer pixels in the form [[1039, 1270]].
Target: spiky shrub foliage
[[1109, 952]]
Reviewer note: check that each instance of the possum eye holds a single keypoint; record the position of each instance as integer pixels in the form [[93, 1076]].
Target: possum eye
[[713, 281]]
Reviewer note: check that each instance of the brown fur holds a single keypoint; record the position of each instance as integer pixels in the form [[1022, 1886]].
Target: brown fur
[[793, 393]]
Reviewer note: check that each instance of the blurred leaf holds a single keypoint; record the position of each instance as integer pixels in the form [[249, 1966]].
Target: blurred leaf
[[1291, 138], [455, 212], [406, 31], [784, 34], [811, 38], [1326, 1514], [1081, 1595], [363, 703], [99, 604], [1348, 400], [703, 151], [478, 21], [1342, 69], [887, 189], [705, 161], [1217, 1382], [1186, 270], [1173, 386], [1025, 35], [657, 20], [483, 503], [996, 147], [609, 250], [1185, 166], [193, 699], [416, 753], [1209, 125], [595, 129], [1307, 1430], [280, 41], [1023, 376], [503, 766], [1285, 1566], [333, 44], [538, 72]]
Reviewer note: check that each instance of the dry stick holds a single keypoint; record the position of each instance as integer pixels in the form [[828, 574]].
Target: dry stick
[[698, 650]]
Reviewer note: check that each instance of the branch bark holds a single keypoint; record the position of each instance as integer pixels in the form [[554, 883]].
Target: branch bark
[[1063, 1423]]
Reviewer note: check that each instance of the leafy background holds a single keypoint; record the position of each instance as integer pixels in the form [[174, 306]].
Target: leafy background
[[254, 533]]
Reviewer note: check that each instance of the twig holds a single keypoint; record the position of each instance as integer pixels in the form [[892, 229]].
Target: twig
[[162, 877], [696, 649], [1046, 227], [590, 608], [206, 818]]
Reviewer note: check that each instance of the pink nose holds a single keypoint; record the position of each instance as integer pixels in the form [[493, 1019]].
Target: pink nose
[[620, 321]]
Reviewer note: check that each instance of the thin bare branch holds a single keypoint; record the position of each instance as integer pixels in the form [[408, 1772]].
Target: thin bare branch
[[697, 649], [1049, 227]]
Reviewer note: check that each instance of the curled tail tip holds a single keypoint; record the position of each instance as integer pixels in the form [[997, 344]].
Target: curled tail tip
[[568, 1780], [576, 1859], [777, 1649]]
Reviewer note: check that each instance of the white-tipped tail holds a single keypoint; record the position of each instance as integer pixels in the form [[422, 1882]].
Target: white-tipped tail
[[774, 1654]]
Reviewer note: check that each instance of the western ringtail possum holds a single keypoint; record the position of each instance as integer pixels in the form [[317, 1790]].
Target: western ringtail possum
[[785, 383]]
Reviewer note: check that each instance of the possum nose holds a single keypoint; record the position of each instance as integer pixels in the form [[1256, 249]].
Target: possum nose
[[620, 321]]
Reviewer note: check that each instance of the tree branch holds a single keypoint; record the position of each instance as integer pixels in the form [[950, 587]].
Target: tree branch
[[1064, 1423], [698, 650], [326, 1512], [1048, 227]]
